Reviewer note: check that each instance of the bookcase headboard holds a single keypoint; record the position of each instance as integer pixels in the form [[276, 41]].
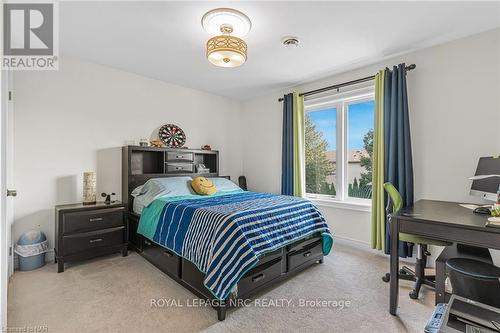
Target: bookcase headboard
[[139, 164]]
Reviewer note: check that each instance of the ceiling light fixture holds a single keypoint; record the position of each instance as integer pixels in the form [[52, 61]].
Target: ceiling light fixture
[[226, 48]]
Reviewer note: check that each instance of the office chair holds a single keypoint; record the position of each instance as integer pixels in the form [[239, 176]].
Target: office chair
[[475, 280], [418, 276]]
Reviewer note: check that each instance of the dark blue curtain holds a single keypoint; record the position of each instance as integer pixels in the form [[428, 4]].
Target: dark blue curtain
[[397, 144], [287, 147]]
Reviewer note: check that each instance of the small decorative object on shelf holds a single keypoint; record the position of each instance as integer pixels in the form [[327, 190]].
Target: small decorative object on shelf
[[89, 188], [201, 168], [108, 197], [206, 147], [143, 143], [172, 136], [156, 143], [495, 210], [498, 195]]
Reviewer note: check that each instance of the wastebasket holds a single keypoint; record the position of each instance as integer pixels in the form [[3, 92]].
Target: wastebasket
[[31, 248]]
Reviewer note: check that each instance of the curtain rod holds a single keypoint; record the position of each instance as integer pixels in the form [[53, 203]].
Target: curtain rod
[[344, 84]]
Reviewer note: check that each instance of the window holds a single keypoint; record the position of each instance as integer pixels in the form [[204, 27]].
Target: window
[[360, 122], [320, 143], [339, 146]]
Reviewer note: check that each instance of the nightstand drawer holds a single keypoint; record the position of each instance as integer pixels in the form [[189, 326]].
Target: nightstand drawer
[[92, 220], [180, 167], [178, 156], [89, 240]]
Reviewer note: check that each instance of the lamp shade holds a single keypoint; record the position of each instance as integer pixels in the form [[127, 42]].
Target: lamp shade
[[226, 51], [89, 188]]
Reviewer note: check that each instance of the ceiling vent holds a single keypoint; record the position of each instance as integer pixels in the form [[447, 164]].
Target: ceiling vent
[[290, 42]]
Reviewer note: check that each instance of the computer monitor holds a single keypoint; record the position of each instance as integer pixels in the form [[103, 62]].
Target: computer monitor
[[487, 187]]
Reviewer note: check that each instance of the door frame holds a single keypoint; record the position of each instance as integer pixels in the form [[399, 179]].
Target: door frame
[[6, 203]]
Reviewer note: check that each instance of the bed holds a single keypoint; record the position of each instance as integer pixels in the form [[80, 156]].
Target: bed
[[226, 246]]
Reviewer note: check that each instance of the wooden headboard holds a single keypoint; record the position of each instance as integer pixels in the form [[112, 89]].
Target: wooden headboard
[[139, 164]]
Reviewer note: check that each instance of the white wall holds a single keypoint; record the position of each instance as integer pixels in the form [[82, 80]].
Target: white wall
[[454, 113], [76, 119]]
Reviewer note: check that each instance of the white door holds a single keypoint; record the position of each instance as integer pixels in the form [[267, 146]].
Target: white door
[[7, 193]]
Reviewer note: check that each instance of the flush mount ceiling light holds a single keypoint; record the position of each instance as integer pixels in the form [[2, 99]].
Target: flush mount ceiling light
[[226, 48], [226, 51]]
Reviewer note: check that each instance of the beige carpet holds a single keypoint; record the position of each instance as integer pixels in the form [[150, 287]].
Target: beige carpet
[[113, 294]]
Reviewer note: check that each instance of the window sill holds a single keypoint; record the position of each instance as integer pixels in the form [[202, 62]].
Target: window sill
[[346, 204]]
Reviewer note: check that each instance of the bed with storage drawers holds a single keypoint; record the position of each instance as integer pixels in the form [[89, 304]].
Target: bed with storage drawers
[[241, 260]]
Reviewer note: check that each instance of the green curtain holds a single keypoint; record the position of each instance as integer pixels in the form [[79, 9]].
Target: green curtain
[[378, 209], [298, 145]]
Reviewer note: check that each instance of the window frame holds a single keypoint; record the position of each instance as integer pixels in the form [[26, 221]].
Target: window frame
[[341, 102]]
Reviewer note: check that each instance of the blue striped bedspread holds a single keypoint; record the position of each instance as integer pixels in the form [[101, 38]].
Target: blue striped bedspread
[[225, 235]]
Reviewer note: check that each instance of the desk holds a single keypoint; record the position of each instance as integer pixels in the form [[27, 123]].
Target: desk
[[439, 220]]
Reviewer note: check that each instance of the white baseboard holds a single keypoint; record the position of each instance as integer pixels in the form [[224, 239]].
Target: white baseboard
[[365, 246], [351, 241]]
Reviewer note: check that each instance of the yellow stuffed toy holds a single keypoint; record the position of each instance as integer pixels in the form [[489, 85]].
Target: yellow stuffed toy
[[203, 186]]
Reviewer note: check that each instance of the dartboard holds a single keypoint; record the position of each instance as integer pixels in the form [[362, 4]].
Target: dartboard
[[172, 136]]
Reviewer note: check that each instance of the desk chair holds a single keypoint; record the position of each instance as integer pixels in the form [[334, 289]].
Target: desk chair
[[418, 276], [475, 280]]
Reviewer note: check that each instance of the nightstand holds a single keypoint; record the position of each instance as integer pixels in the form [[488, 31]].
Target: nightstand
[[87, 231]]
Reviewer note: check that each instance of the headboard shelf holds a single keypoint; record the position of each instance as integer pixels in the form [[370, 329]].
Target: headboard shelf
[[139, 164]]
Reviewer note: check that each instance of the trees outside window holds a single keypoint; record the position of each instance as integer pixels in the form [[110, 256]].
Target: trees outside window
[[318, 167], [326, 175]]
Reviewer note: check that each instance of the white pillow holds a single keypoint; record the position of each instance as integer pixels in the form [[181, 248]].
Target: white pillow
[[163, 187], [225, 185], [137, 191]]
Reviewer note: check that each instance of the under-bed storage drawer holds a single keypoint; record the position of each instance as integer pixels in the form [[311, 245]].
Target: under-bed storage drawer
[[269, 257], [259, 276], [164, 259], [192, 276], [300, 244], [309, 252]]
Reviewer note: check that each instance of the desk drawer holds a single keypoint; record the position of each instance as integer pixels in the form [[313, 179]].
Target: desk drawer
[[312, 251], [180, 167], [93, 239], [92, 220], [482, 237], [164, 259], [179, 156]]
